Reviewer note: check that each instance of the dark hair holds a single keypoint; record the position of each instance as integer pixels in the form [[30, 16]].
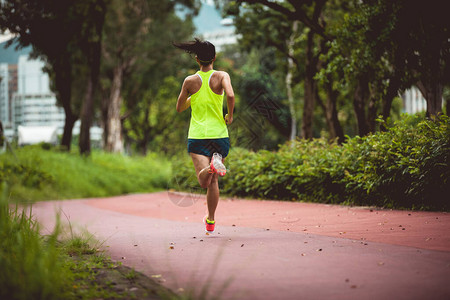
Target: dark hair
[[205, 51]]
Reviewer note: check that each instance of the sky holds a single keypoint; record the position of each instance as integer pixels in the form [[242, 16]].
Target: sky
[[208, 19], [5, 36]]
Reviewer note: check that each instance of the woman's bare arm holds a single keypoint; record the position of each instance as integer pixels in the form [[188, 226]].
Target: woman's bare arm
[[184, 101], [228, 88]]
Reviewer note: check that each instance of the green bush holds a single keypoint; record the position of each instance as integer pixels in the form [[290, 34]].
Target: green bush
[[408, 166], [36, 174]]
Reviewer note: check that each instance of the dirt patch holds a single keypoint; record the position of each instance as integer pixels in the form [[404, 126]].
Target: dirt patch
[[106, 279]]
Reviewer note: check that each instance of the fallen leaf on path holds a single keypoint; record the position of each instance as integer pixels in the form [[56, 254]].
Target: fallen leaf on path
[[156, 276], [242, 245]]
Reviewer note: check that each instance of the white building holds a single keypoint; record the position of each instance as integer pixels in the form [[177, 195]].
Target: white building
[[34, 102], [4, 95], [35, 105], [413, 101], [212, 27], [223, 36]]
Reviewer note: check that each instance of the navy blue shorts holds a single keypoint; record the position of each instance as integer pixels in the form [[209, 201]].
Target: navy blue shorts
[[207, 147]]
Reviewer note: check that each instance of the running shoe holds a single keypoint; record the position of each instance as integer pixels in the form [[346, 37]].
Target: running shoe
[[217, 166], [209, 224]]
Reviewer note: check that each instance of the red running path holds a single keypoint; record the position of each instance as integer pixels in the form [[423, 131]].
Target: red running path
[[269, 249]]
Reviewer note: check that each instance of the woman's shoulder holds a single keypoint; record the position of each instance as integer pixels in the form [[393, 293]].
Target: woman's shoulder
[[192, 79], [220, 74]]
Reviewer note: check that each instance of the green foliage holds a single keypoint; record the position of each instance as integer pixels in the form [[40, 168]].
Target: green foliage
[[37, 174], [51, 267], [405, 167], [28, 266], [408, 166]]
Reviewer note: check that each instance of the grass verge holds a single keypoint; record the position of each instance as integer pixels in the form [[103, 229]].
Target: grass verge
[[51, 267], [33, 174]]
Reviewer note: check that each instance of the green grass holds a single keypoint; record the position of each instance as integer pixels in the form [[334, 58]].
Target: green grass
[[61, 265], [28, 266], [36, 174]]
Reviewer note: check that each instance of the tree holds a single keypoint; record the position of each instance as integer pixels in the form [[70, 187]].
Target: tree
[[140, 90], [277, 21], [129, 28], [384, 47], [90, 44], [51, 28], [421, 34], [2, 136]]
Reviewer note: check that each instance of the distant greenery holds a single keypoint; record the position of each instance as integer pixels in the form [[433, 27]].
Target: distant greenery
[[406, 167], [33, 174]]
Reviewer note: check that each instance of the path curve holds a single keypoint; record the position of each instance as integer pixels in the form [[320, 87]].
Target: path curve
[[268, 249]]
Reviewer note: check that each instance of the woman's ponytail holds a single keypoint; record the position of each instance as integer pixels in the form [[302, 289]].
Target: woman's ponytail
[[204, 50]]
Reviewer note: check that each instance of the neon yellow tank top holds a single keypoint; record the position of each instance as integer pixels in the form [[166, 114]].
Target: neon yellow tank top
[[207, 120]]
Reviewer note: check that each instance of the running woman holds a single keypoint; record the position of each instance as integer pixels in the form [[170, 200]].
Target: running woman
[[208, 140]]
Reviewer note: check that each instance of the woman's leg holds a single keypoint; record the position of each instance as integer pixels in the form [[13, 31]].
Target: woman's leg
[[212, 196], [207, 180]]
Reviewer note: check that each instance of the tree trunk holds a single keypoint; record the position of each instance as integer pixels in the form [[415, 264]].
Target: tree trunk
[[372, 110], [2, 136], [104, 112], [87, 112], [335, 127], [94, 55], [359, 100], [114, 127], [290, 46], [146, 132], [69, 123], [392, 92], [432, 92], [310, 90], [63, 85]]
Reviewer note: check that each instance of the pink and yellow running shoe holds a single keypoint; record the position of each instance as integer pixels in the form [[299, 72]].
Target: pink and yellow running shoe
[[217, 165], [209, 224]]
